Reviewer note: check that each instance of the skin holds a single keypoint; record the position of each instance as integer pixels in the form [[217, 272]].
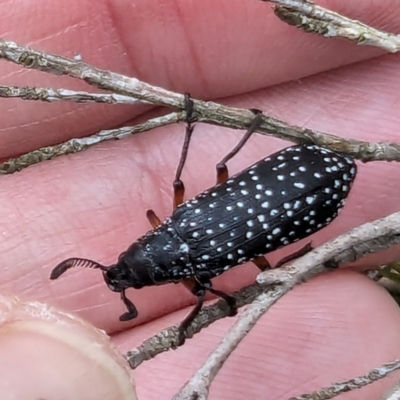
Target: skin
[[93, 204]]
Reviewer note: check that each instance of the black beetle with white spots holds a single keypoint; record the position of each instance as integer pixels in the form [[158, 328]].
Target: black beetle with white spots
[[277, 201]]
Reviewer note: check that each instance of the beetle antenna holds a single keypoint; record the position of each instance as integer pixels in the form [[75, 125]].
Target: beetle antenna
[[74, 262]]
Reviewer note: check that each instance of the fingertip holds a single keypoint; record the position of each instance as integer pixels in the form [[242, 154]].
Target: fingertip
[[57, 355]]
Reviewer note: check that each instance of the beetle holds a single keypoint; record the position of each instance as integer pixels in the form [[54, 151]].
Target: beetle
[[277, 201]]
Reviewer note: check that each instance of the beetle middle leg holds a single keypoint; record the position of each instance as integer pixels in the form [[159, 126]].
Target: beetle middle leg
[[296, 254], [179, 188], [222, 169], [199, 290]]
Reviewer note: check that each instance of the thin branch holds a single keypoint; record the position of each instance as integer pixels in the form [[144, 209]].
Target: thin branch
[[208, 112], [356, 383], [79, 144], [393, 393], [312, 18], [355, 242], [51, 95]]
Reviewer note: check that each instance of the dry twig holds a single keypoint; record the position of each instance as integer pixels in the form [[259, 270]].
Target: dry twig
[[79, 144], [51, 95], [356, 383], [208, 112], [309, 17]]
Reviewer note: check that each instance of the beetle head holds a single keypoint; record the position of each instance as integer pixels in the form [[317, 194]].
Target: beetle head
[[133, 269]]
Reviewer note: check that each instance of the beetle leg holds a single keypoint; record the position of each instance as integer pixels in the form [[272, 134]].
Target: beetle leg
[[298, 253], [183, 327], [262, 263], [153, 219], [229, 300], [179, 187], [222, 169], [132, 311], [199, 289]]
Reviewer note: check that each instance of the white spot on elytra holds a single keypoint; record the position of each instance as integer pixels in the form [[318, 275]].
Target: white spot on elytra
[[310, 199], [265, 204], [299, 185], [261, 218]]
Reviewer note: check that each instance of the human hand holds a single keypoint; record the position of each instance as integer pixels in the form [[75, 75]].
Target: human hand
[[93, 204]]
